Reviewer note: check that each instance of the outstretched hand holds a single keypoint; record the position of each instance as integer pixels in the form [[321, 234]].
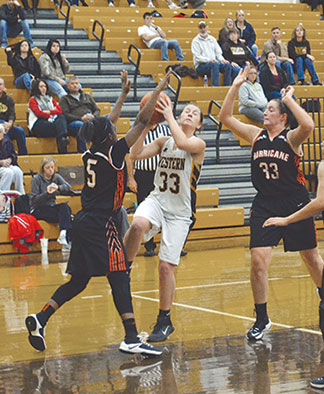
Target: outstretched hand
[[275, 222], [287, 93], [164, 82], [165, 108], [126, 83], [241, 76]]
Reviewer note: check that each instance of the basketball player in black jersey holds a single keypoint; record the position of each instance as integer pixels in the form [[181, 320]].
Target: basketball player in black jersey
[[280, 185], [97, 247]]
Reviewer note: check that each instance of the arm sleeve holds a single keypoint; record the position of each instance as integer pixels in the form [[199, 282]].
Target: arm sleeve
[[36, 195], [45, 66], [251, 38], [57, 110], [33, 105], [21, 13], [291, 50], [66, 110], [243, 96], [118, 152], [63, 186], [195, 49], [11, 109]]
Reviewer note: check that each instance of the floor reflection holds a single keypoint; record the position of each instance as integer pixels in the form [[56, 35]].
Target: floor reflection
[[283, 362]]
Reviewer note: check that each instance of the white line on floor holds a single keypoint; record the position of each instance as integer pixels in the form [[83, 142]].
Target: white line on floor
[[94, 296], [241, 282], [227, 314]]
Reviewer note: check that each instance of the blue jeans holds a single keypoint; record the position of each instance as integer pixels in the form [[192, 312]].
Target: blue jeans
[[302, 63], [56, 88], [23, 81], [18, 133], [213, 69], [164, 45], [73, 129], [7, 30]]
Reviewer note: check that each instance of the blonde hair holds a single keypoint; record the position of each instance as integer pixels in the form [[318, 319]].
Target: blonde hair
[[46, 160], [240, 12]]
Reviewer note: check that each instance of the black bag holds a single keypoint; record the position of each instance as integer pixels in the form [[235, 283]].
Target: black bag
[[311, 105], [22, 204], [74, 175], [201, 14], [156, 14]]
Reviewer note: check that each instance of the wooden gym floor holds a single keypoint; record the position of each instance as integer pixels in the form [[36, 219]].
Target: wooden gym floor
[[207, 353]]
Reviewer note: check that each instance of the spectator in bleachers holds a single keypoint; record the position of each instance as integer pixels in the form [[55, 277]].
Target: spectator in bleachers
[[208, 58], [24, 64], [252, 101], [45, 186], [155, 38], [10, 173], [10, 26], [272, 77], [223, 33], [280, 49], [246, 31], [54, 66], [45, 116], [236, 52], [78, 107], [299, 50], [7, 119]]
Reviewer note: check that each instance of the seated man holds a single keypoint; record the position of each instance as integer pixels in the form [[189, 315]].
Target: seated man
[[10, 26], [280, 49], [78, 107], [208, 57], [155, 38], [7, 118]]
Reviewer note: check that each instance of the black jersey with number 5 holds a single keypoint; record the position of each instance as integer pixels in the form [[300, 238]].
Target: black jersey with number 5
[[275, 166], [105, 178]]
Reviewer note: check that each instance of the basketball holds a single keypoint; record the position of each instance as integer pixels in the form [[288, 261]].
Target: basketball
[[157, 117]]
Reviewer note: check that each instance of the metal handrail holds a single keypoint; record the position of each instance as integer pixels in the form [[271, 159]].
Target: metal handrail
[[66, 16], [100, 39], [34, 8], [219, 127], [176, 92], [135, 64]]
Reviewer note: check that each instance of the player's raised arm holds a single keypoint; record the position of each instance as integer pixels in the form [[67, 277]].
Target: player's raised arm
[[246, 131], [126, 85], [144, 116], [311, 209]]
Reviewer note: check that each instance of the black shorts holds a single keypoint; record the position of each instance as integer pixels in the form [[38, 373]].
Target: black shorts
[[296, 236], [97, 246]]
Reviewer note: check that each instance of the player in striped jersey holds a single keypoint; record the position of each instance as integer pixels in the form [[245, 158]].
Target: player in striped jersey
[[280, 185], [171, 205], [97, 246]]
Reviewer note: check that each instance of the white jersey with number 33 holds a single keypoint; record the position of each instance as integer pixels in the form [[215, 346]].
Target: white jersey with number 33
[[175, 181]]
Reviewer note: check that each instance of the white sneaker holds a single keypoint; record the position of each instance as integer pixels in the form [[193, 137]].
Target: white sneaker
[[173, 6], [66, 248], [133, 5], [111, 4], [150, 5], [139, 348], [62, 238]]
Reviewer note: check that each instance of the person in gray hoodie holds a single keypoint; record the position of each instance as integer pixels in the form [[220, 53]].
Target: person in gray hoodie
[[252, 101], [44, 188], [208, 57]]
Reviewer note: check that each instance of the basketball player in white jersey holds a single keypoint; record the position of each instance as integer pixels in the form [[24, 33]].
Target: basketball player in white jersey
[[171, 205]]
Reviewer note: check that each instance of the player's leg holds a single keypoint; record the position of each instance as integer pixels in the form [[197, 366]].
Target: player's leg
[[36, 323], [134, 236]]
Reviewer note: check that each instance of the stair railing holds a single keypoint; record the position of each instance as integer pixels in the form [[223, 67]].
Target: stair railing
[[67, 17], [100, 39], [218, 127], [34, 8], [176, 91], [135, 64]]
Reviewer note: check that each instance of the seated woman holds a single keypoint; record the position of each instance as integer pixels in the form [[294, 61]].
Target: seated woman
[[54, 66], [252, 101], [45, 116], [246, 31], [236, 52], [223, 33], [272, 78], [10, 173], [23, 63], [299, 50], [44, 187]]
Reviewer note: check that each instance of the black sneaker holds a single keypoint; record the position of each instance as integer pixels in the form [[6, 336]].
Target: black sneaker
[[149, 253], [183, 253], [36, 333], [140, 347], [318, 383], [162, 329], [256, 332]]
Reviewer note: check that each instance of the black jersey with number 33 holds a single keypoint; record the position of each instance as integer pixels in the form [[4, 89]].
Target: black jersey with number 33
[[275, 166], [105, 178]]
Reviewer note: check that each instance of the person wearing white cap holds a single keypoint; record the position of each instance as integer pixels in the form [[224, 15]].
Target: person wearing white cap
[[208, 57]]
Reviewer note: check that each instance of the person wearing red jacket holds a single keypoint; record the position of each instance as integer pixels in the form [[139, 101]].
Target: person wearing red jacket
[[45, 117]]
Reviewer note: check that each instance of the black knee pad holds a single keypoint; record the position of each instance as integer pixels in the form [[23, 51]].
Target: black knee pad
[[70, 289], [120, 286]]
